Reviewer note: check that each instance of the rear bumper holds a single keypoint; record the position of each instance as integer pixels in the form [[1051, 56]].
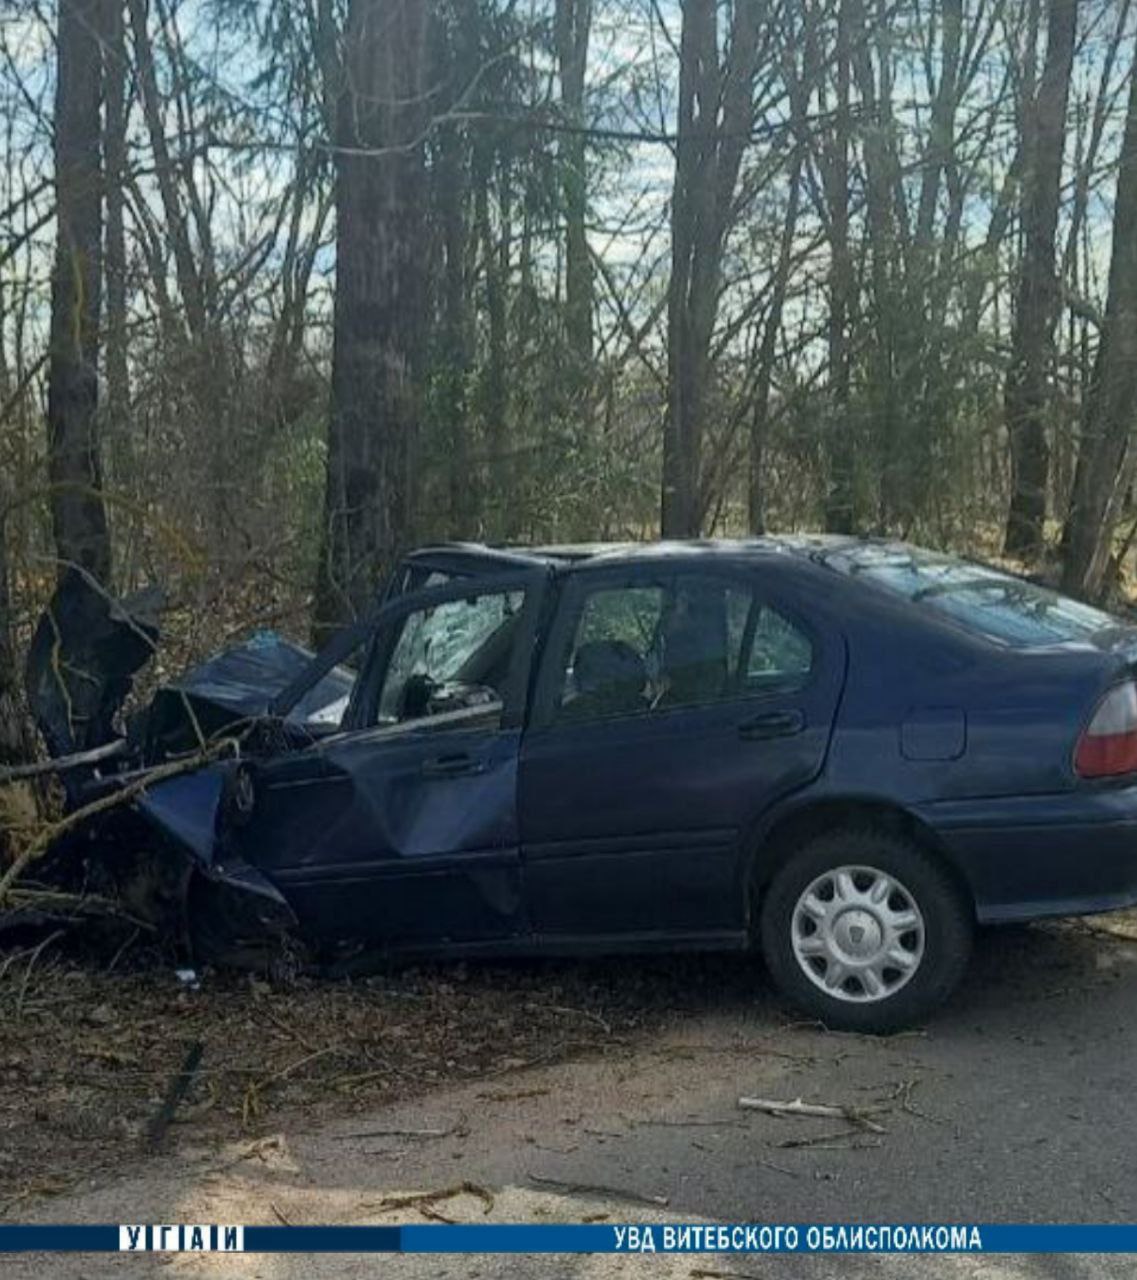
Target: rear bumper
[[1028, 857]]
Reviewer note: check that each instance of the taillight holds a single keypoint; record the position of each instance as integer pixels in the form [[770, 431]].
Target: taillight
[[1108, 745]]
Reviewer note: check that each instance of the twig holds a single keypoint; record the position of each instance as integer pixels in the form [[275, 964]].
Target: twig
[[178, 1089], [573, 1013], [690, 1124], [855, 1115], [591, 1188], [418, 1198], [61, 764], [285, 1222], [398, 1133], [434, 1215], [124, 948], [789, 1144], [51, 937]]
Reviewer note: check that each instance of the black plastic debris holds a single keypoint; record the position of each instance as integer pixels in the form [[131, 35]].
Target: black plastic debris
[[83, 657]]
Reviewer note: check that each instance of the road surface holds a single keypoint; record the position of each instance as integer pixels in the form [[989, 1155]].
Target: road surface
[[1016, 1104]]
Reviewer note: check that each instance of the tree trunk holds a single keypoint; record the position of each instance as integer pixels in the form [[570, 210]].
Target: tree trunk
[[13, 739], [78, 517], [839, 512], [760, 412], [714, 120], [573, 20], [453, 198], [1026, 396], [1107, 459], [381, 235], [120, 450]]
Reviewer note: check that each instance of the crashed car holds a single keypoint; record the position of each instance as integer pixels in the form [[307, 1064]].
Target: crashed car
[[845, 752]]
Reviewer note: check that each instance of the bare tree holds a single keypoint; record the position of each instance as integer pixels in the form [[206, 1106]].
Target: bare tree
[[78, 516], [715, 116], [1108, 460], [1036, 308], [572, 23], [380, 124]]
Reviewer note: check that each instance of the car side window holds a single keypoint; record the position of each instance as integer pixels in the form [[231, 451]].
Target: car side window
[[609, 659], [780, 653], [693, 640], [452, 657]]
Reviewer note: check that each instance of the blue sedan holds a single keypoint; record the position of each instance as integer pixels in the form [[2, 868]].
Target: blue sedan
[[845, 752]]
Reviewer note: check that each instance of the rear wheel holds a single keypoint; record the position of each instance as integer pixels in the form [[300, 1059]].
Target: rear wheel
[[865, 930]]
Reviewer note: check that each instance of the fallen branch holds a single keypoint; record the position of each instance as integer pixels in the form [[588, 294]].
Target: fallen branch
[[51, 831], [179, 1087], [62, 764], [855, 1115]]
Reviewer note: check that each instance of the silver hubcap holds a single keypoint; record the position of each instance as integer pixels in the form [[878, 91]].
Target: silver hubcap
[[858, 934]]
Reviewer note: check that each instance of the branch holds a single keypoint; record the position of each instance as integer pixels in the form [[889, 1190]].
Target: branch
[[51, 831]]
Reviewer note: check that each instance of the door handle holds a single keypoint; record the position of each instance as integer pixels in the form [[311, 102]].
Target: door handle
[[452, 766], [773, 724]]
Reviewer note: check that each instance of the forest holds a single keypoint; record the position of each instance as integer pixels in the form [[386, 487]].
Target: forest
[[290, 286]]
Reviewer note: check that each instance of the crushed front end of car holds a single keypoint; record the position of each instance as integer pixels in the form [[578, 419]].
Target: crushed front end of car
[[148, 796]]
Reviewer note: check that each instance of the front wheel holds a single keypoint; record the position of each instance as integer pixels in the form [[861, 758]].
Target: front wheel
[[865, 930]]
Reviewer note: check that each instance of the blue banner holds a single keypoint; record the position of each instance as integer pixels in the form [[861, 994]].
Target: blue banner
[[641, 1238]]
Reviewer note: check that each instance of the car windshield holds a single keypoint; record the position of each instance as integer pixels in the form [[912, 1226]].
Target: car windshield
[[984, 600]]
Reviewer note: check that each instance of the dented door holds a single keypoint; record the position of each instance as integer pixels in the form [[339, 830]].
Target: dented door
[[402, 832]]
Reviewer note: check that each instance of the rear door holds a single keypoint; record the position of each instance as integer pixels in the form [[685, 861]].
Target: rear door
[[402, 830], [672, 708]]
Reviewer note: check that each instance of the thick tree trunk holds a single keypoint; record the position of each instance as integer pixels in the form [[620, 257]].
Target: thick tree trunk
[[1107, 460], [1026, 397], [117, 433], [78, 517], [380, 251], [714, 119]]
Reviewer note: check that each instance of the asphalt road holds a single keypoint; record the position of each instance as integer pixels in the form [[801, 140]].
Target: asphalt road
[[1015, 1104]]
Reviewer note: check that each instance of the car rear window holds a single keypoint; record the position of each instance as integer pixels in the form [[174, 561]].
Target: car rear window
[[994, 604]]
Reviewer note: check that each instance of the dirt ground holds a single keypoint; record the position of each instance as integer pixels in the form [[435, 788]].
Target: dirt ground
[[89, 1053], [604, 1092]]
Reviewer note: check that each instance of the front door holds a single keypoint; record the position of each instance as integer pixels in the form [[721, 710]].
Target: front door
[[401, 831], [673, 707]]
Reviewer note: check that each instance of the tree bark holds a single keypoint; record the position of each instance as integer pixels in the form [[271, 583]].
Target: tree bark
[[115, 76], [78, 516], [1026, 396], [1107, 461], [714, 120], [381, 246], [840, 498], [572, 25], [760, 412]]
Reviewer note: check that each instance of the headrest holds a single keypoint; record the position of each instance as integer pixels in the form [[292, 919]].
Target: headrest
[[602, 665]]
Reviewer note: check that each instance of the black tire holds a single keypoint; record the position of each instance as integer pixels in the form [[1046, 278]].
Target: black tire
[[948, 922]]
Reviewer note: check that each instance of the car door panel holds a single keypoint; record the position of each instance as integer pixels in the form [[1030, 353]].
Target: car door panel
[[371, 843], [406, 834], [638, 824]]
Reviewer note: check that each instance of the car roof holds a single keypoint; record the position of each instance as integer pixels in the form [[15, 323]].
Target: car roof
[[582, 554]]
